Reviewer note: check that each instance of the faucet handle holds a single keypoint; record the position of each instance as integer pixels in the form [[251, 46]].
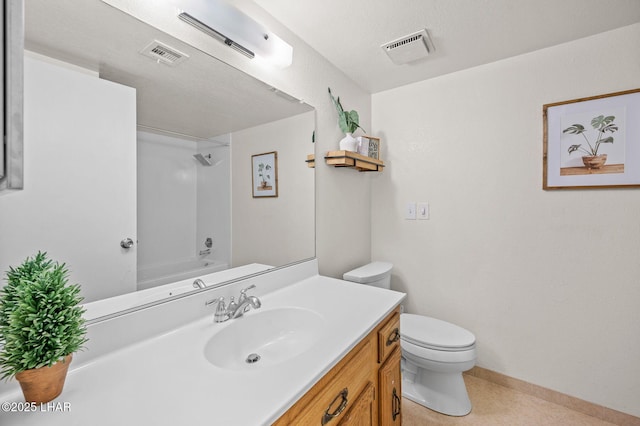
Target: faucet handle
[[243, 292], [219, 301], [222, 314]]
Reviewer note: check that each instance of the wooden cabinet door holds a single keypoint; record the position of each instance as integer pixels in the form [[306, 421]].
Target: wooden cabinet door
[[364, 411], [390, 391]]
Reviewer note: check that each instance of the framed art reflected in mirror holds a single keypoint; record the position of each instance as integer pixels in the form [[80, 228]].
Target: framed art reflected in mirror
[[264, 170]]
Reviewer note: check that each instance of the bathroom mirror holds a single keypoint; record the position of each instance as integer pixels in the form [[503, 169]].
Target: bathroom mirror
[[162, 177]]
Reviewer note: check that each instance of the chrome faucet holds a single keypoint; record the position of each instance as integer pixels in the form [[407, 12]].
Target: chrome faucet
[[199, 284], [235, 309], [245, 303]]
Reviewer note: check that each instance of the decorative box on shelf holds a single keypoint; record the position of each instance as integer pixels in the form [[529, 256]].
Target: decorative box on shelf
[[369, 146]]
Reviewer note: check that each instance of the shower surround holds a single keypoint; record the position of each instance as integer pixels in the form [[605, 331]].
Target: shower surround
[[182, 202]]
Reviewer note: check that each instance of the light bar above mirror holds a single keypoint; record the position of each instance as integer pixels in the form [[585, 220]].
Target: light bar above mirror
[[229, 25]]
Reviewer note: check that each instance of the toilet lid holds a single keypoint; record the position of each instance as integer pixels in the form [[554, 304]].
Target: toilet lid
[[368, 273], [434, 333]]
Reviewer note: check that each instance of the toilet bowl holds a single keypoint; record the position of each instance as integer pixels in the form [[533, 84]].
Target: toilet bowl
[[434, 352]]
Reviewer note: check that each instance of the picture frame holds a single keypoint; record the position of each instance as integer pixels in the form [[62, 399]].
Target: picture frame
[[369, 146], [264, 174], [592, 142]]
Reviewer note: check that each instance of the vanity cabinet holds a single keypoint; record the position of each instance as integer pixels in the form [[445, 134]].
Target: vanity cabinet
[[362, 389]]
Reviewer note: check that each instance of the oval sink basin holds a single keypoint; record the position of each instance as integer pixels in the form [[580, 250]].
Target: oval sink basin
[[264, 339]]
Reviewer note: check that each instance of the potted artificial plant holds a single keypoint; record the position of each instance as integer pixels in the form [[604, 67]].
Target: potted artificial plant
[[348, 122], [41, 326], [602, 125]]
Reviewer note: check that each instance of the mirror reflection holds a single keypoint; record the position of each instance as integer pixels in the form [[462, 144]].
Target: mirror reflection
[[138, 158]]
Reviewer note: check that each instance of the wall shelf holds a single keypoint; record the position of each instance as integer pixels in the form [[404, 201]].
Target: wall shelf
[[353, 159], [311, 161]]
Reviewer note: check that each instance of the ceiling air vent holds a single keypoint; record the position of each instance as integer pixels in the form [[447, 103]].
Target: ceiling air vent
[[409, 48], [162, 53]]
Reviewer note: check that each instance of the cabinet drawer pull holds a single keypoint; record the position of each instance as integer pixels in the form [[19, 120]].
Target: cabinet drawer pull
[[393, 337], [395, 405], [330, 416]]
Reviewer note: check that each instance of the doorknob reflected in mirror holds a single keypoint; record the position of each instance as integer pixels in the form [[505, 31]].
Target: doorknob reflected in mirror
[[127, 243]]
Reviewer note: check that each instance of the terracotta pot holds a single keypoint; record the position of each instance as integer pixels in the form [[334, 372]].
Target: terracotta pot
[[41, 385], [594, 161]]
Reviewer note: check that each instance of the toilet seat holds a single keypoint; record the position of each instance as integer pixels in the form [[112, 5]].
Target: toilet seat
[[421, 355], [435, 334]]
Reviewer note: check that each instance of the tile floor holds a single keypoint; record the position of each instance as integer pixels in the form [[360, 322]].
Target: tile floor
[[495, 405]]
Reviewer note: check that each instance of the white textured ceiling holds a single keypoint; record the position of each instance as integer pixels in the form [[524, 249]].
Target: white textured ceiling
[[201, 97], [466, 33]]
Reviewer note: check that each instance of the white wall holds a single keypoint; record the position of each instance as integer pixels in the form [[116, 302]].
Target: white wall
[[549, 282], [274, 231], [343, 196], [78, 201]]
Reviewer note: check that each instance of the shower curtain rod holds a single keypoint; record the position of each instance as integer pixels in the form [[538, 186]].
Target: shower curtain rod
[[184, 135]]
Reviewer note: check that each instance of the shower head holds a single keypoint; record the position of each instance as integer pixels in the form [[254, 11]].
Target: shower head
[[205, 160]]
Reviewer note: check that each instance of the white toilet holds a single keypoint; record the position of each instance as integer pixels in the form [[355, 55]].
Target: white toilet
[[434, 352]]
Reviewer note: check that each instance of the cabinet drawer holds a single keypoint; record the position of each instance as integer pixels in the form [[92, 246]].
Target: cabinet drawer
[[341, 392], [389, 337]]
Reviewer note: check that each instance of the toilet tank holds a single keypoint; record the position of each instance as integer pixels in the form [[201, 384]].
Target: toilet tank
[[377, 274]]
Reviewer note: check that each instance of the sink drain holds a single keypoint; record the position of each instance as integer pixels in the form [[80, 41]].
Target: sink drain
[[252, 358]]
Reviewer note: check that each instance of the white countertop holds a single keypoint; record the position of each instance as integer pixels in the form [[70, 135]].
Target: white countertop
[[167, 380]]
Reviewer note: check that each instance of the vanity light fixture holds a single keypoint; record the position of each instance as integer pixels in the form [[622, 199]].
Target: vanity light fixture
[[232, 27], [215, 34]]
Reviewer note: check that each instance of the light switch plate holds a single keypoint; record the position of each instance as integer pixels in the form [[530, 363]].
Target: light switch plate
[[422, 211], [410, 211]]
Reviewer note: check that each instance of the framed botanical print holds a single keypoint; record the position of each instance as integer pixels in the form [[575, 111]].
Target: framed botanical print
[[592, 142], [264, 173]]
